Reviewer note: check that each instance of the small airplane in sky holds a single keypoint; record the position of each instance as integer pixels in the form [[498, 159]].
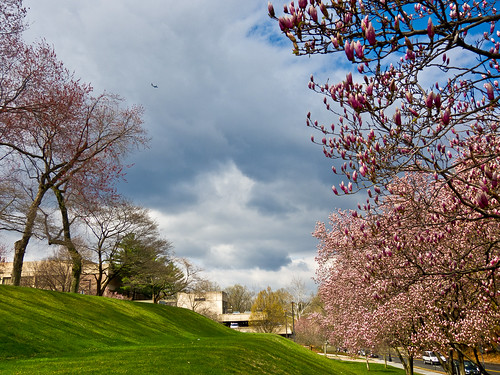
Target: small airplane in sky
[[154, 86]]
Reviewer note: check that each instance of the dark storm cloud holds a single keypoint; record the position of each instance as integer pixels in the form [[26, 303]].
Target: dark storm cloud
[[230, 174]]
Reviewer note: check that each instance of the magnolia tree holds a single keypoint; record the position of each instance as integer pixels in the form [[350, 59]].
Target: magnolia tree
[[424, 92], [353, 314], [421, 98], [408, 276]]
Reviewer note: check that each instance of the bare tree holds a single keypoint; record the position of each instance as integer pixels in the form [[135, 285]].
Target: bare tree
[[240, 298], [54, 272], [107, 224], [300, 296], [3, 253]]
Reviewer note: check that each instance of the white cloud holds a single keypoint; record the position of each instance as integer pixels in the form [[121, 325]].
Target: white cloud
[[222, 230]]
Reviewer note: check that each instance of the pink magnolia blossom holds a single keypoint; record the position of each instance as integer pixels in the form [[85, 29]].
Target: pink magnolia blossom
[[270, 9], [313, 13], [430, 28], [359, 49], [489, 91], [349, 50], [370, 34]]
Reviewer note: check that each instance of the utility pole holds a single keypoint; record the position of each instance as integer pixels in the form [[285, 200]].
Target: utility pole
[[293, 323]]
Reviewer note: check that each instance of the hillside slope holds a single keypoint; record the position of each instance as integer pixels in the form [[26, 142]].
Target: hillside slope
[[71, 333]]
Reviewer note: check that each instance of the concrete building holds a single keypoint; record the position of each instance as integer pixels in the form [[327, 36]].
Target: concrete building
[[215, 306], [211, 304], [51, 275]]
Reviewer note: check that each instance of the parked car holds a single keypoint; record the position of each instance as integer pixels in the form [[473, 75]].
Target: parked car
[[429, 357], [470, 368], [367, 353], [234, 325]]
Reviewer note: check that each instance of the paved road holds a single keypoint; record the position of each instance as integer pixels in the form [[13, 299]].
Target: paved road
[[491, 368], [419, 366]]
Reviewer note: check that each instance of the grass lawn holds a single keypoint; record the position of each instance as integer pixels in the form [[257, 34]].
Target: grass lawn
[[45, 332]]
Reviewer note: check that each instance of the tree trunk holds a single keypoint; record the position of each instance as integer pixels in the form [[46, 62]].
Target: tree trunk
[[461, 367], [76, 258], [407, 363], [479, 363], [98, 278], [76, 270], [21, 245]]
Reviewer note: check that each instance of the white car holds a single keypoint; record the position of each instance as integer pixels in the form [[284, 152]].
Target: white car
[[430, 357]]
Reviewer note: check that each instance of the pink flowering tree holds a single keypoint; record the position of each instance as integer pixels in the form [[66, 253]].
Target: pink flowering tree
[[357, 313], [409, 276], [422, 94], [421, 97]]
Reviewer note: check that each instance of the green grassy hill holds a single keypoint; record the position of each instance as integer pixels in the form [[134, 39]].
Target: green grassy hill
[[50, 332]]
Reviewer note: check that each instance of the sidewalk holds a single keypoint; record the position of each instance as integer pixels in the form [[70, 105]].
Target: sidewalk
[[416, 369]]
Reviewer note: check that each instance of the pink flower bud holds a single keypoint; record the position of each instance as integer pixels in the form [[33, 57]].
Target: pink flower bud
[[397, 117], [445, 118], [413, 112], [429, 101], [437, 100], [313, 13], [302, 4], [489, 91], [335, 42], [362, 170], [364, 23], [430, 28], [349, 50], [270, 9], [358, 48], [494, 180], [355, 176], [342, 186], [370, 34], [334, 189], [349, 79], [285, 23], [323, 9], [371, 134], [482, 200], [369, 89]]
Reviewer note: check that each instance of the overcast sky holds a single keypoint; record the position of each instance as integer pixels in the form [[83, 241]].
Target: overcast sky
[[230, 175]]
